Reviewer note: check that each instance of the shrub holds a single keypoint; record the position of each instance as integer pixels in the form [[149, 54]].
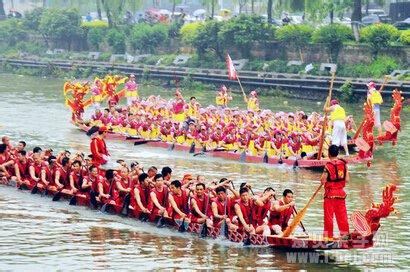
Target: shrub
[[243, 31], [95, 24], [379, 36], [32, 19], [189, 32], [11, 32], [383, 65], [347, 91], [116, 39], [61, 26], [297, 36], [207, 40], [146, 38], [333, 36], [30, 47], [405, 37], [95, 37]]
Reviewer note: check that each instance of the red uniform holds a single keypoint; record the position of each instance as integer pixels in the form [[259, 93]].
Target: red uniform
[[334, 204], [201, 203], [281, 218], [162, 198], [63, 177], [50, 175], [182, 204], [23, 169], [98, 149], [118, 196], [78, 180], [144, 196], [246, 210], [37, 172], [223, 207], [259, 213]]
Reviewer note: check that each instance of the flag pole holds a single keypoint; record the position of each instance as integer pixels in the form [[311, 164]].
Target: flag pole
[[243, 92]]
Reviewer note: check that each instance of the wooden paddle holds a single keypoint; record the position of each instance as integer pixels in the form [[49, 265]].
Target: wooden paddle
[[183, 227], [146, 141], [265, 158], [93, 200], [298, 218], [192, 148], [296, 212], [204, 229], [106, 205], [126, 204], [160, 222], [325, 120], [58, 195], [73, 200], [224, 231]]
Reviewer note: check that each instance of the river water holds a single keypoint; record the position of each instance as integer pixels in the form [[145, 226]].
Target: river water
[[38, 234]]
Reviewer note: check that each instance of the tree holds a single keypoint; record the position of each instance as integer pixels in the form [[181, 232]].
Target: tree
[[2, 12], [269, 11], [189, 32], [95, 37], [296, 35], [32, 19], [61, 26], [333, 36], [147, 38], [379, 36], [207, 39], [98, 2], [114, 11], [243, 31], [116, 39], [12, 32], [357, 11]]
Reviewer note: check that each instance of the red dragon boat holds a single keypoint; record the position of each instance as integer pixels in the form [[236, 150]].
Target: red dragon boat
[[365, 225]]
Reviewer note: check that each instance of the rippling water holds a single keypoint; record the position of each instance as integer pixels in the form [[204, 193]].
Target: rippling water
[[38, 234]]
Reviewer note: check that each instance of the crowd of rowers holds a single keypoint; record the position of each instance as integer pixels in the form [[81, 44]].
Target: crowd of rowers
[[256, 131], [154, 193]]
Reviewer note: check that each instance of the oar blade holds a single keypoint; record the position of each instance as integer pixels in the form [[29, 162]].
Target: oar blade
[[192, 148], [34, 190], [57, 196], [242, 158], [73, 201]]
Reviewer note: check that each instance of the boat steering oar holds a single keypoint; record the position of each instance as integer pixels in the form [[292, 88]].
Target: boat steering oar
[[298, 218]]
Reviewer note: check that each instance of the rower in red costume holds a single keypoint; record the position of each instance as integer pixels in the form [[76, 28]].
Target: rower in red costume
[[48, 173], [22, 169], [243, 210], [221, 207], [200, 206], [140, 195], [334, 179], [260, 211], [75, 177], [61, 175], [178, 200], [35, 171], [280, 212], [122, 186], [99, 148], [158, 198]]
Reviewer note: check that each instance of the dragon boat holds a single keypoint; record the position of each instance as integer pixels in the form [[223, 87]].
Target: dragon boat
[[365, 226]]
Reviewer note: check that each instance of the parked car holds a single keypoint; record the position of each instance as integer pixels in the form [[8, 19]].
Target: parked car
[[371, 19], [403, 25]]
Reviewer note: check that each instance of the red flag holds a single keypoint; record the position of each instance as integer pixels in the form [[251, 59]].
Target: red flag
[[231, 68]]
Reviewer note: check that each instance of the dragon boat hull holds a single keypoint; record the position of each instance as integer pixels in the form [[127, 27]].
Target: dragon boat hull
[[311, 164], [355, 240]]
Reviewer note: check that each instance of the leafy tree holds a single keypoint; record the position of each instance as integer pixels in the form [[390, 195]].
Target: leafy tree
[[207, 39], [243, 31], [95, 37], [12, 32], [146, 38], [116, 39], [32, 19], [379, 36], [61, 26], [2, 13], [189, 32], [297, 36], [333, 36]]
